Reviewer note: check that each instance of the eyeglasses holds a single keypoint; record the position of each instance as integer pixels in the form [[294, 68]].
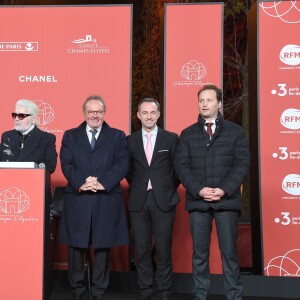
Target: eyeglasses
[[95, 112], [20, 116]]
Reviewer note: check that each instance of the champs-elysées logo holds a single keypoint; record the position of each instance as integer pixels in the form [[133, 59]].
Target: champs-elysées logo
[[192, 71], [14, 202], [19, 46], [290, 56], [87, 45]]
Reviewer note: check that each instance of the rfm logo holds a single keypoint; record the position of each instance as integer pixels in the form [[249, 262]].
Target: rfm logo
[[290, 118], [291, 184], [290, 55]]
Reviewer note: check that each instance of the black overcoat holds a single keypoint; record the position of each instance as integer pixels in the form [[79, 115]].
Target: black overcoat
[[94, 218], [38, 147]]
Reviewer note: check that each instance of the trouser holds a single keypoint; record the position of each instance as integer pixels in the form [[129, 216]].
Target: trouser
[[227, 226], [100, 274], [148, 225]]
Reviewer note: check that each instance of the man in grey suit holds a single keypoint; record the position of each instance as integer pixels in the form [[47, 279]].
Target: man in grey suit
[[94, 159], [152, 199]]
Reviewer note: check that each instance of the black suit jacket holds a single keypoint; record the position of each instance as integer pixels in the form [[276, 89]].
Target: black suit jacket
[[39, 147], [161, 171]]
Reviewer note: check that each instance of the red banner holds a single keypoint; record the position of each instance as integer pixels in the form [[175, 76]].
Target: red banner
[[22, 233], [279, 128], [58, 56], [193, 58]]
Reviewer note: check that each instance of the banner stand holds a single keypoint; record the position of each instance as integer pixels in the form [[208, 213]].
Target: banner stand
[[24, 216]]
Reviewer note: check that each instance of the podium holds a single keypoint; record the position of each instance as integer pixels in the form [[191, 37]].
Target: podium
[[24, 231]]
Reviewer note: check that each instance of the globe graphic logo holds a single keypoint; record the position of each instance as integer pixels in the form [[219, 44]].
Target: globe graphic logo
[[46, 112], [193, 70], [286, 11], [286, 265], [13, 201]]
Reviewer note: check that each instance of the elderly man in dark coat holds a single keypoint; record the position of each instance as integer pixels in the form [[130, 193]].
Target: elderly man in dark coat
[[26, 142], [94, 159]]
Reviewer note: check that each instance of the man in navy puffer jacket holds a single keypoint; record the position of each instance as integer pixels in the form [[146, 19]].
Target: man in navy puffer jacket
[[211, 161]]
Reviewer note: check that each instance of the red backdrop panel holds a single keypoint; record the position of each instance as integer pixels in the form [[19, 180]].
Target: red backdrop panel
[[279, 98], [22, 233], [193, 57], [58, 56]]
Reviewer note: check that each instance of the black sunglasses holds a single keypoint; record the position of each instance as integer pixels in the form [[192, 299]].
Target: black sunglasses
[[20, 116]]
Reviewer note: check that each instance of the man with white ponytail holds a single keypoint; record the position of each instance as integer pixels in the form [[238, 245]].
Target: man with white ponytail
[[26, 142]]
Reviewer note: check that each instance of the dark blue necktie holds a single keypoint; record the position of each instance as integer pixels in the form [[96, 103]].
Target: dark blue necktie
[[93, 141]]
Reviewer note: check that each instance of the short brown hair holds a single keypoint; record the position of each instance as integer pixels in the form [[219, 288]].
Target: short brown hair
[[212, 87], [149, 100], [93, 97]]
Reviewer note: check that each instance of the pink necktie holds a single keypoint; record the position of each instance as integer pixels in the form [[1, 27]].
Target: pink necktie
[[149, 152]]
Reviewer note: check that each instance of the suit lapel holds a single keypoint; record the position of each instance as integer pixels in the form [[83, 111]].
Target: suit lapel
[[83, 137], [140, 145], [158, 143], [102, 136]]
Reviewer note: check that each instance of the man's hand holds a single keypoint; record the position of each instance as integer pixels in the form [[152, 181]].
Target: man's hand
[[92, 184], [211, 194]]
